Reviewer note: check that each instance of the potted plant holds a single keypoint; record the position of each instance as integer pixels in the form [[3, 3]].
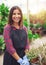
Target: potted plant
[[43, 55], [37, 55], [38, 28], [4, 11], [33, 55], [2, 45], [35, 36], [31, 25], [25, 23], [2, 24], [44, 28], [32, 28], [30, 35]]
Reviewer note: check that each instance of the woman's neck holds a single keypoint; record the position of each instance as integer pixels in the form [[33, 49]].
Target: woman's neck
[[16, 26]]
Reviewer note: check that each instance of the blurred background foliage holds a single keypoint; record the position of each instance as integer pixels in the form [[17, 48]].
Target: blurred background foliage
[[4, 10]]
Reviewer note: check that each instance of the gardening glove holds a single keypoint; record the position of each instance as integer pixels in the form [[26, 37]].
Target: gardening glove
[[22, 62], [26, 59]]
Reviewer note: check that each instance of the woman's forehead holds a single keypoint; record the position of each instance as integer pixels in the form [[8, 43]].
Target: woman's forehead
[[17, 10]]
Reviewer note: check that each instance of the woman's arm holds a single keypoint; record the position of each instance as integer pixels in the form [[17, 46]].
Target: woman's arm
[[9, 46], [15, 55]]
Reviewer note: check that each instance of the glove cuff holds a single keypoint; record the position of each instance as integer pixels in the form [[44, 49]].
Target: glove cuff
[[20, 60], [25, 57]]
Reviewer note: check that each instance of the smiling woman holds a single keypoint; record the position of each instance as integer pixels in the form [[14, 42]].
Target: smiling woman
[[16, 40]]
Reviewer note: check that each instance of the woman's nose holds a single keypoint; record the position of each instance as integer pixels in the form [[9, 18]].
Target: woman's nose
[[16, 15]]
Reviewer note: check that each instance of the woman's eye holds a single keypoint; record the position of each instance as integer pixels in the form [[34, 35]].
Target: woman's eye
[[16, 13]]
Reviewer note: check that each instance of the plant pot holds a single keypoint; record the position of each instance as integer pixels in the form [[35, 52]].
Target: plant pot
[[44, 63], [34, 60]]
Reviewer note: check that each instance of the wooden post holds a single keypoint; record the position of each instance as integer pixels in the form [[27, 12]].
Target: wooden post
[[28, 15]]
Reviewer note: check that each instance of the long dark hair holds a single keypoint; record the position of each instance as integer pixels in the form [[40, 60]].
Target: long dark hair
[[10, 21]]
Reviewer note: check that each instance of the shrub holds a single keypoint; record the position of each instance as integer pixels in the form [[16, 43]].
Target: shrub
[[2, 43]]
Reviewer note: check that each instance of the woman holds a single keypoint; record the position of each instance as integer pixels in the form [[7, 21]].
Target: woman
[[15, 37]]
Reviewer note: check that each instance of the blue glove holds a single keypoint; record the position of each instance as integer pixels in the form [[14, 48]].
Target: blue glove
[[26, 59], [22, 62]]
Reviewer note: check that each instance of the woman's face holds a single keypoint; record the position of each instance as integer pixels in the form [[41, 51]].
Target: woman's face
[[16, 17]]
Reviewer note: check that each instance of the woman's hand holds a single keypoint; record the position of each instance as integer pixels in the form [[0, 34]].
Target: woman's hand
[[26, 51], [23, 62], [26, 59]]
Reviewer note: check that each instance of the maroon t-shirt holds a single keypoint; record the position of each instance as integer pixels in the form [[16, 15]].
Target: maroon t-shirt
[[8, 41]]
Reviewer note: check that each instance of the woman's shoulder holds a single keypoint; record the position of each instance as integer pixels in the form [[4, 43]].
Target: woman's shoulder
[[25, 28], [7, 26]]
